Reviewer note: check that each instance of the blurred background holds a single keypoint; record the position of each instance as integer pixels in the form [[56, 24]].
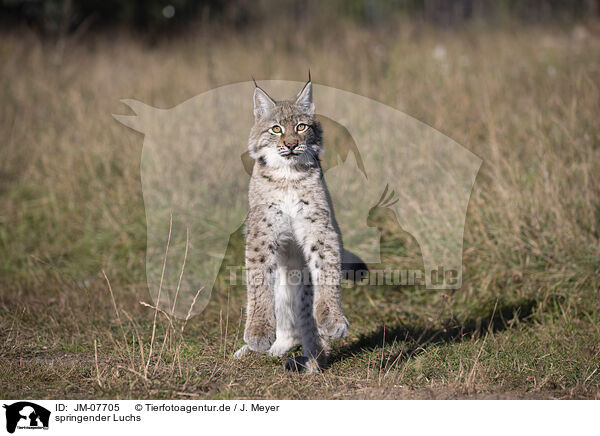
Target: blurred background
[[156, 17], [515, 82]]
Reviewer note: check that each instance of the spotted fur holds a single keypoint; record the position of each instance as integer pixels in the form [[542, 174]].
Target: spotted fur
[[293, 245]]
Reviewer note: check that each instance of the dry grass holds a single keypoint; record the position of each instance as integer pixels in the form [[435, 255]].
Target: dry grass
[[524, 324]]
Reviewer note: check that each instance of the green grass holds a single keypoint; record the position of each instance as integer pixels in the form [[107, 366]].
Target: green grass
[[525, 323]]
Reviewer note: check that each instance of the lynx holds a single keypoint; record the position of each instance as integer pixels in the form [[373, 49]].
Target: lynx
[[293, 244]]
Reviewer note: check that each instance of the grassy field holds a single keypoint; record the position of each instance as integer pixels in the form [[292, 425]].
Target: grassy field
[[525, 324]]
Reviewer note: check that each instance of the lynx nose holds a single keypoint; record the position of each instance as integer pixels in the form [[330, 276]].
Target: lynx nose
[[291, 145]]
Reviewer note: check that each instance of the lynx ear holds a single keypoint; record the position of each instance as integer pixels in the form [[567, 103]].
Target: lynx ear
[[304, 99], [262, 102]]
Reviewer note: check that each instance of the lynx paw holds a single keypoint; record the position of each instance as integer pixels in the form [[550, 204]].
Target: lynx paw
[[260, 344], [331, 324], [334, 328], [259, 337], [282, 346], [241, 352], [302, 364]]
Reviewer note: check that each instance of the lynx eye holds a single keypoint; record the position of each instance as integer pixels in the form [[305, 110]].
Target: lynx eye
[[301, 127], [276, 130]]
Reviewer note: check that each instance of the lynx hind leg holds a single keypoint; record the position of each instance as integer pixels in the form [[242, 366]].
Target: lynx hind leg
[[288, 284], [315, 349]]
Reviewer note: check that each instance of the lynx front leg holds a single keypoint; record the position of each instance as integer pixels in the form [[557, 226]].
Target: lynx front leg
[[321, 248], [259, 332]]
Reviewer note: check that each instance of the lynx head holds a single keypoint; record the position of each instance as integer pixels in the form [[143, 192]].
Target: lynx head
[[285, 133]]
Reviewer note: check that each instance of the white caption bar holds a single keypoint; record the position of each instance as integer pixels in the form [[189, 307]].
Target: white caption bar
[[76, 417]]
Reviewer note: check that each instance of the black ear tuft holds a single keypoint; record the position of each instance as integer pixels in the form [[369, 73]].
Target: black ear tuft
[[304, 99]]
